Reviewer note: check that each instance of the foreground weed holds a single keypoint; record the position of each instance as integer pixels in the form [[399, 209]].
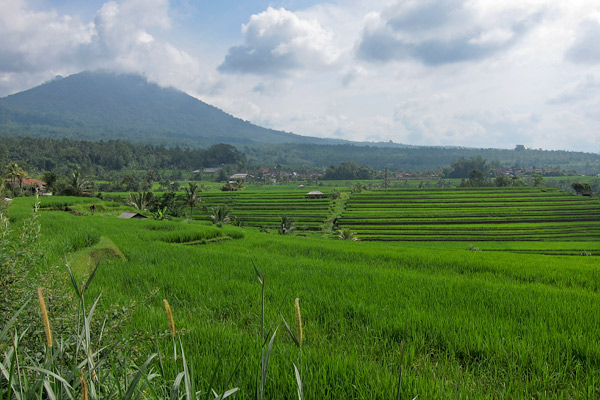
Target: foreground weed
[[73, 369], [297, 338]]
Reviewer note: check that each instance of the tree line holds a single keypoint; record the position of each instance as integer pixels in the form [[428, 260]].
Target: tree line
[[412, 158], [65, 155]]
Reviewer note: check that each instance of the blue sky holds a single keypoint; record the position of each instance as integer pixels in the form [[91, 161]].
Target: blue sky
[[478, 73]]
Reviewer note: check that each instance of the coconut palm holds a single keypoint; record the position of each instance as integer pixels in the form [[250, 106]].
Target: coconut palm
[[221, 215], [78, 183], [192, 198], [12, 171], [141, 200]]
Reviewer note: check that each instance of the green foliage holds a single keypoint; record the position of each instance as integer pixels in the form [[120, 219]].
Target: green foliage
[[20, 251], [65, 155], [287, 226], [234, 186], [464, 168], [141, 201], [582, 188], [192, 197], [77, 185], [503, 181], [15, 175], [537, 179], [346, 234], [221, 215], [348, 170], [161, 214], [478, 179], [413, 158]]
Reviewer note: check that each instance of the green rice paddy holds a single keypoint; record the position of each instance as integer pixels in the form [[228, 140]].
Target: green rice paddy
[[518, 319]]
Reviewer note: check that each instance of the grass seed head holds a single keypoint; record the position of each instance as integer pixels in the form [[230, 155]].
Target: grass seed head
[[45, 316], [169, 317], [84, 388], [298, 319]]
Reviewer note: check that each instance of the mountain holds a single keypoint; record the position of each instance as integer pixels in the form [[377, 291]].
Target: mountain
[[102, 105]]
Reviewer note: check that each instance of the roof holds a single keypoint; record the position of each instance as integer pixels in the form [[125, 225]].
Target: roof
[[28, 182], [315, 193], [135, 215], [238, 176]]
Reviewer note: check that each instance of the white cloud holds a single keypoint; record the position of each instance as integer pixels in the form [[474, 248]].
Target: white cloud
[[586, 48], [37, 45], [34, 41], [438, 32], [277, 41]]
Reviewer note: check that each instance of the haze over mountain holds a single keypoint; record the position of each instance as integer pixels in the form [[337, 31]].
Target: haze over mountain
[[103, 105]]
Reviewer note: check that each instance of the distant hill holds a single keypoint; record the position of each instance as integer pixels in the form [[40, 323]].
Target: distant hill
[[102, 105]]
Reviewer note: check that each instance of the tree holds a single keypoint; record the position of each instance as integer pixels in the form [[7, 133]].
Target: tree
[[192, 197], [503, 181], [583, 189], [50, 178], [141, 200], [22, 175], [78, 184], [220, 215], [13, 172], [462, 168], [477, 179], [130, 183], [537, 179]]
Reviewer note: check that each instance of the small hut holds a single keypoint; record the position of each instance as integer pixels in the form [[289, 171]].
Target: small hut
[[132, 215], [315, 194]]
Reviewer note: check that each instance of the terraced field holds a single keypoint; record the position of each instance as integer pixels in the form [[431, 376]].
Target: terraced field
[[265, 209], [523, 214]]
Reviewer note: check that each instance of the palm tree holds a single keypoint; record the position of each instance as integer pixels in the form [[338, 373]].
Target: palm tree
[[140, 200], [12, 171], [220, 215], [78, 183], [191, 197], [22, 175]]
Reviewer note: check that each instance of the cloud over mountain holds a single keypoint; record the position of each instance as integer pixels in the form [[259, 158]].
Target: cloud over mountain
[[119, 38]]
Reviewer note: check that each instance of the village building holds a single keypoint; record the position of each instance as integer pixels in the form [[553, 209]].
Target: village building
[[315, 194], [34, 185]]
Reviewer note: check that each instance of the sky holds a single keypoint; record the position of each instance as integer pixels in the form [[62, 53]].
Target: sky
[[475, 73]]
